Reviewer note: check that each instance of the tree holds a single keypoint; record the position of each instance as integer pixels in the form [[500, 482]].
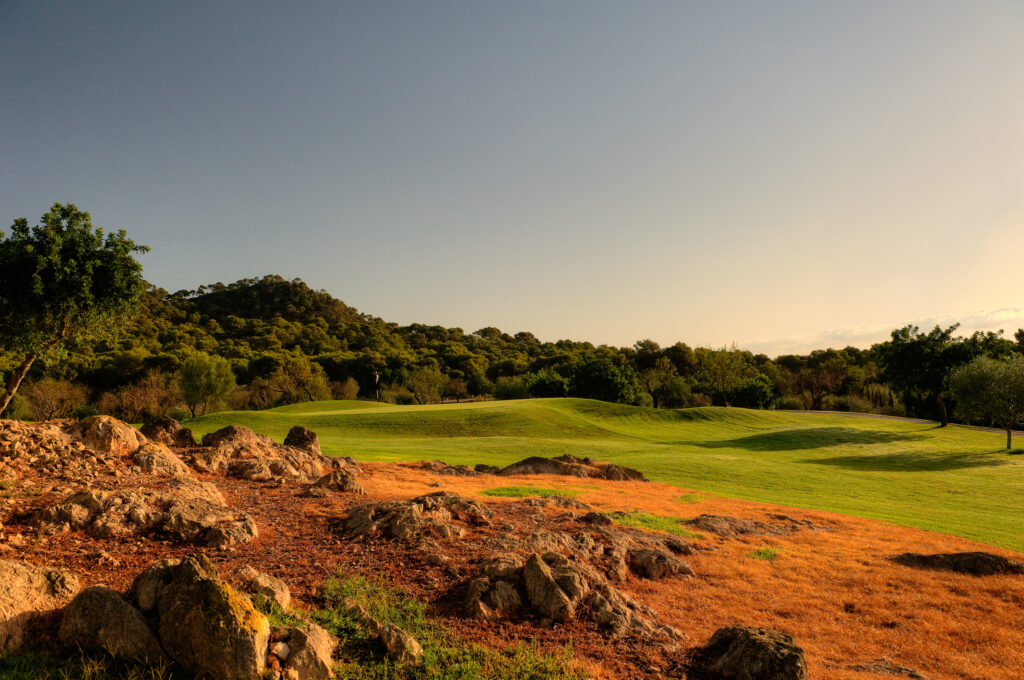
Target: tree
[[204, 382], [653, 379], [51, 398], [724, 370], [62, 280], [991, 389], [918, 364], [597, 377]]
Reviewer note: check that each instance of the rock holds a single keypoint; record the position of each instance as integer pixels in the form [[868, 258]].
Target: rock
[[281, 650], [886, 667], [207, 627], [341, 480], [100, 618], [241, 452], [743, 653], [973, 563], [157, 459], [27, 592], [571, 466], [169, 432], [108, 435], [310, 652], [148, 585], [486, 469], [235, 434], [657, 564], [270, 587], [302, 438], [253, 470], [596, 518], [733, 526], [434, 513], [543, 592], [617, 614], [400, 645]]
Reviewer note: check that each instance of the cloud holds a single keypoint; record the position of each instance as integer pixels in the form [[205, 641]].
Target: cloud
[[1007, 319]]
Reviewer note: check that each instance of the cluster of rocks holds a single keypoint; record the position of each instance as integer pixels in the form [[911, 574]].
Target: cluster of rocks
[[180, 611], [567, 466], [183, 508], [64, 450], [237, 451], [435, 514], [730, 527]]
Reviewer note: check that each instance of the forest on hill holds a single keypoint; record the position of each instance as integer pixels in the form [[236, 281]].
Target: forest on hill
[[278, 341]]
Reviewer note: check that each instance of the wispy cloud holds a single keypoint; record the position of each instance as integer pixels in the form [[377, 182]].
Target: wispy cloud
[[1008, 319]]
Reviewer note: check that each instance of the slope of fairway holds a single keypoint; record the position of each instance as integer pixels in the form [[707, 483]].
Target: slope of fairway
[[952, 479]]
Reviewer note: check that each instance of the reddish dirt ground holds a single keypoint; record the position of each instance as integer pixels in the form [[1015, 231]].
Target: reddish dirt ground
[[835, 591]]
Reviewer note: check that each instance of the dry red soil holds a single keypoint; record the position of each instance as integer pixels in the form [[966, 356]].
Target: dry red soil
[[836, 591]]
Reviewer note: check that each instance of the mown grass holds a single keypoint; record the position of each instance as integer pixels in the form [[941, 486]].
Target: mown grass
[[528, 491], [954, 480], [643, 520], [445, 656]]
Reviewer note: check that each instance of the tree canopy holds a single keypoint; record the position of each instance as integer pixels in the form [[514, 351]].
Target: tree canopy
[[61, 280]]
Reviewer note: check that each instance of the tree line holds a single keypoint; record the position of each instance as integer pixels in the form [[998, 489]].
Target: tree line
[[263, 342]]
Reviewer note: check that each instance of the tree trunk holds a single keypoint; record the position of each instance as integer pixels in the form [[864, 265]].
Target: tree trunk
[[1009, 437], [943, 416], [16, 378]]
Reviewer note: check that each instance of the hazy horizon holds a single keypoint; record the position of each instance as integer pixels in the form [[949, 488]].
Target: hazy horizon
[[787, 177]]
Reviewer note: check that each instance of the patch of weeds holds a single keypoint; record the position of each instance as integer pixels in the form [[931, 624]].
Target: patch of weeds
[[445, 655], [525, 491], [643, 520], [767, 554], [47, 666], [689, 498], [279, 618], [34, 491], [6, 484]]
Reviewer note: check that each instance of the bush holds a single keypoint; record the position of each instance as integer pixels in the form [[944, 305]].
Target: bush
[[347, 389], [18, 408], [547, 383], [790, 403], [508, 387], [49, 398]]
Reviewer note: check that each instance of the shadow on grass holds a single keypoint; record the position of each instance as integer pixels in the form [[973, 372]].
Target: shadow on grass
[[809, 438], [912, 462]]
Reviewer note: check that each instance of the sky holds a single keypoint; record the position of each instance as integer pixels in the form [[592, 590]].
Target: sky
[[786, 176]]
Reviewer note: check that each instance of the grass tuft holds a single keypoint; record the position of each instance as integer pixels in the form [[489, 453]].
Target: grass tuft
[[690, 498], [643, 520], [767, 554]]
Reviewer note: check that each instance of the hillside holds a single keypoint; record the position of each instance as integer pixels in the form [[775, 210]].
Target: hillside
[[953, 480]]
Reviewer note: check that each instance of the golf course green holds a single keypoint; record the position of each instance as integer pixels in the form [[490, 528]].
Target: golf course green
[[952, 480]]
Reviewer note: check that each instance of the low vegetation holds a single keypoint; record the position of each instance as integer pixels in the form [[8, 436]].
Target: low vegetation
[[767, 554], [528, 491], [643, 520]]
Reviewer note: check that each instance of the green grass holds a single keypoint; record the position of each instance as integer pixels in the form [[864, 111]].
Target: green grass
[[689, 498], [954, 480], [526, 491], [79, 666], [445, 656], [767, 554], [643, 520]]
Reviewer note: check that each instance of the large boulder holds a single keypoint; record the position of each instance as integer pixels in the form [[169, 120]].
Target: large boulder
[[657, 564], [107, 435], [169, 432], [543, 591], [148, 585], [743, 653], [208, 627], [973, 563], [310, 651], [341, 480], [100, 618], [26, 592], [157, 459]]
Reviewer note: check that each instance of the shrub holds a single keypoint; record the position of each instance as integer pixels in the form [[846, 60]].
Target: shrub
[[49, 398], [508, 387]]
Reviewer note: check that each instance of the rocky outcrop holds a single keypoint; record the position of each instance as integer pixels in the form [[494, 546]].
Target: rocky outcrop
[[972, 563], [239, 452], [184, 509], [743, 653], [207, 627], [569, 465], [730, 527], [342, 480], [27, 592], [257, 583], [440, 514], [107, 435], [169, 432], [100, 618], [157, 459]]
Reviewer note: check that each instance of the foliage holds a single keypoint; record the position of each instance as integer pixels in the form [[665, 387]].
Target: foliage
[[598, 377], [204, 381], [62, 280], [768, 554], [528, 491], [643, 520], [50, 398], [992, 390]]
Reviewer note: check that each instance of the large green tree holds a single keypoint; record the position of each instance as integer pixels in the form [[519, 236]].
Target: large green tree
[[59, 281], [991, 389], [205, 381]]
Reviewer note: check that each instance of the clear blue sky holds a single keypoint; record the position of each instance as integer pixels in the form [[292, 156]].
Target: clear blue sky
[[779, 174]]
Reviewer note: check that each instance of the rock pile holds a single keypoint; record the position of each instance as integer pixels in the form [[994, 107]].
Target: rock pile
[[183, 508], [96, 447], [731, 527], [439, 514], [239, 452], [572, 466]]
